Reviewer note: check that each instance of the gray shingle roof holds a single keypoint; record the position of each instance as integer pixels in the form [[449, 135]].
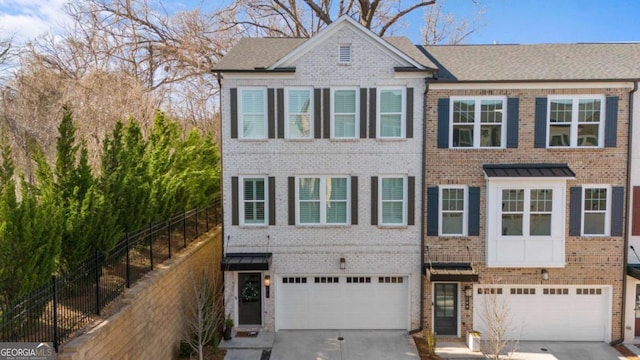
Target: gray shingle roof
[[536, 62]]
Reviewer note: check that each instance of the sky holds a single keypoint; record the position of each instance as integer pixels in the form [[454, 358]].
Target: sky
[[504, 21]]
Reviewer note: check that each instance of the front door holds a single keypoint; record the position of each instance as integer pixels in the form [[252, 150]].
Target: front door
[[445, 315], [250, 298]]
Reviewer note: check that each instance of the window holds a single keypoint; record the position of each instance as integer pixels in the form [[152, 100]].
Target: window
[[299, 115], [526, 212], [344, 54], [453, 202], [575, 121], [252, 113], [393, 198], [345, 115], [596, 213], [323, 200], [478, 122], [391, 113], [253, 200]]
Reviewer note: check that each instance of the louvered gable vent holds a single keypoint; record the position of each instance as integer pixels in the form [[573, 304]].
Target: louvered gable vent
[[344, 54]]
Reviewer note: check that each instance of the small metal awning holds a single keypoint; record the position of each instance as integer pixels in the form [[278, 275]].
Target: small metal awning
[[527, 170], [246, 261], [634, 270], [450, 272]]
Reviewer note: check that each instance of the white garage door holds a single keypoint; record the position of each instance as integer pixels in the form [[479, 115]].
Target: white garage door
[[560, 313], [341, 302]]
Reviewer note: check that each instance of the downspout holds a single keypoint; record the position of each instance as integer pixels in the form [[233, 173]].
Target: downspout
[[422, 201], [219, 79], [626, 216]]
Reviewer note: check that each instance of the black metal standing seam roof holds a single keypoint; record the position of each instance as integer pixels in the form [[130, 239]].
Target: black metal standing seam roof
[[451, 272], [528, 170], [634, 270], [246, 261]]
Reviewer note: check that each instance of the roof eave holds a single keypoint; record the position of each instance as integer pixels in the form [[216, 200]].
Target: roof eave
[[256, 70], [414, 69], [438, 81]]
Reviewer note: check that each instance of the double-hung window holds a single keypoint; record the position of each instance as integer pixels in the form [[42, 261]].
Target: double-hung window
[[393, 200], [391, 113], [253, 109], [596, 206], [478, 122], [575, 121], [253, 194], [526, 212], [453, 205], [299, 113], [323, 200], [344, 113]]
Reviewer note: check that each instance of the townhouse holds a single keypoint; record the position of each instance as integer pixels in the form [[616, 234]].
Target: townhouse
[[322, 153]]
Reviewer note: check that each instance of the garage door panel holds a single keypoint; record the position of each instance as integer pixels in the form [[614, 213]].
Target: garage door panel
[[350, 303], [562, 313]]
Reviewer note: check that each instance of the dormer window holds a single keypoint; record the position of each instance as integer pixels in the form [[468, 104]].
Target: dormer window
[[344, 54]]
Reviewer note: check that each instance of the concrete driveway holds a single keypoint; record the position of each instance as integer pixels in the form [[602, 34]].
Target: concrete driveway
[[355, 345], [562, 350]]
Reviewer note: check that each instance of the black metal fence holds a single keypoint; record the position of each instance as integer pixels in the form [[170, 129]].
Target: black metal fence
[[55, 311]]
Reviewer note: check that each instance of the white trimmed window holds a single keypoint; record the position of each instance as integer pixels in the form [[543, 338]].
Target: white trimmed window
[[478, 122], [453, 210], [345, 107], [596, 210], [391, 113], [575, 121], [323, 200], [526, 222], [253, 195], [393, 200], [299, 113], [253, 109]]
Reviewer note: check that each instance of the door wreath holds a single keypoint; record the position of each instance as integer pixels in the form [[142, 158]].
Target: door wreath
[[249, 291]]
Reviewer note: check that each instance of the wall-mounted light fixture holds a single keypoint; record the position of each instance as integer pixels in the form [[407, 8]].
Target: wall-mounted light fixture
[[545, 274], [468, 292], [343, 263], [267, 284]]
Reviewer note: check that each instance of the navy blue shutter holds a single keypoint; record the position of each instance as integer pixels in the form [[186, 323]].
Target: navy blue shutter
[[372, 112], [363, 113], [411, 203], [233, 109], [326, 114], [474, 211], [374, 200], [280, 102], [272, 200], [540, 137], [409, 108], [575, 210], [513, 116], [317, 114], [271, 126], [611, 122], [617, 209], [432, 210], [443, 123], [235, 208], [354, 200], [291, 185]]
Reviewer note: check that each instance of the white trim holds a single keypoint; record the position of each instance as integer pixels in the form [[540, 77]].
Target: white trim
[[405, 183], [334, 27], [465, 210], [403, 112], [241, 200], [607, 213], [489, 85], [241, 113], [323, 199], [477, 125], [310, 110], [574, 124], [356, 132]]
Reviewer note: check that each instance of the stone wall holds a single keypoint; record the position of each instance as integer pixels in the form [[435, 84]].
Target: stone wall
[[151, 323]]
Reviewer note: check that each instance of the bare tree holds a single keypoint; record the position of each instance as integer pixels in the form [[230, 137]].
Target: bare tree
[[446, 28], [496, 323]]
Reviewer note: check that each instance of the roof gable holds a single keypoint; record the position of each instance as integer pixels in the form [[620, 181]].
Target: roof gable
[[346, 21]]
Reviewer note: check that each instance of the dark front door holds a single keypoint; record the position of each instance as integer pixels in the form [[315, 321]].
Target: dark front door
[[445, 320], [250, 298]]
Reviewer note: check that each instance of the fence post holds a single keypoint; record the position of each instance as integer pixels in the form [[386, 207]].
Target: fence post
[[56, 335], [169, 233], [151, 245], [197, 233], [184, 228], [97, 264], [206, 216], [126, 236]]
